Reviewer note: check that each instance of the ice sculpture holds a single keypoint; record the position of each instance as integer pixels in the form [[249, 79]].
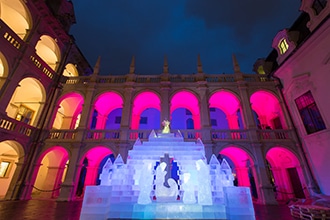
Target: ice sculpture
[[105, 175], [204, 183], [163, 193], [189, 189], [166, 124], [146, 183], [137, 191]]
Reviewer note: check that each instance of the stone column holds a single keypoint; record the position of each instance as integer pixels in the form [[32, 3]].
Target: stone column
[[69, 186], [126, 114], [204, 113], [264, 187], [165, 104]]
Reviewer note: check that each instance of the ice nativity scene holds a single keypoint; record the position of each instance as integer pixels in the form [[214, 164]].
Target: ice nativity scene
[[167, 178]]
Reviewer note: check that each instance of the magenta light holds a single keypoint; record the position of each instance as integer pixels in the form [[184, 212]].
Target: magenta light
[[142, 102], [107, 102], [226, 101]]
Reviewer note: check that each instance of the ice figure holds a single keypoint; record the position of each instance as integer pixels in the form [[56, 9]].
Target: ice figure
[[189, 189], [227, 177], [146, 183], [162, 192], [166, 124], [204, 186], [105, 176]]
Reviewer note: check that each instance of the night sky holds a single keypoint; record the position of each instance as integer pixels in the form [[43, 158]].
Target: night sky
[[116, 30]]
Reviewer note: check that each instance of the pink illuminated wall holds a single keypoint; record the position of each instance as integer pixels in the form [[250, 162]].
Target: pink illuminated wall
[[229, 104], [284, 165], [104, 105], [268, 110], [242, 162], [70, 106], [186, 100], [94, 158], [143, 101]]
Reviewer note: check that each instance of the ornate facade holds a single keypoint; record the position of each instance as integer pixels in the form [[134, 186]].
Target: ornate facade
[[60, 120]]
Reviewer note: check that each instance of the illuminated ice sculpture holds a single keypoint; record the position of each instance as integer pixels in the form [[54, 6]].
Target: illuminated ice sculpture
[[142, 188]]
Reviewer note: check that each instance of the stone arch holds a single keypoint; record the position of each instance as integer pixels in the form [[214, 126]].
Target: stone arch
[[51, 172], [229, 103], [105, 104], [48, 50], [4, 69], [27, 101], [286, 173], [69, 108], [268, 109], [89, 167], [11, 159], [184, 99], [243, 162], [70, 70], [145, 101], [16, 15]]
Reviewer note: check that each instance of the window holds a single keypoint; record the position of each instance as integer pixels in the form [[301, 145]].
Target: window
[[319, 5], [144, 120], [24, 114], [4, 168], [118, 120], [212, 109], [283, 46], [309, 113]]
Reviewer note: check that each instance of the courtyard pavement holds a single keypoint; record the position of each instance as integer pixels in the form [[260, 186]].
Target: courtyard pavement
[[53, 210]]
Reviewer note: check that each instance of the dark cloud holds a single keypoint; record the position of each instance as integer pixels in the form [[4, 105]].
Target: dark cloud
[[180, 29]]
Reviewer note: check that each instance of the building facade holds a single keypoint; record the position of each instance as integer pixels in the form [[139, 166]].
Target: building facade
[[60, 120]]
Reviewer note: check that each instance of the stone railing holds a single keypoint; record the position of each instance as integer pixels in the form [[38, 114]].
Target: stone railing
[[187, 134], [16, 127], [210, 78]]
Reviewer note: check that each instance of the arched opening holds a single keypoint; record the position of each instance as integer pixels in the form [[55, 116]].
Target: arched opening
[[184, 106], [11, 153], [27, 101], [268, 110], [285, 174], [16, 16], [91, 166], [146, 111], [225, 111], [51, 173], [70, 70], [107, 111], [242, 168], [3, 69], [68, 113], [48, 50]]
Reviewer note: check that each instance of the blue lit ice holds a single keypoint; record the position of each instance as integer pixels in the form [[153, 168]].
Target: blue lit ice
[[136, 190]]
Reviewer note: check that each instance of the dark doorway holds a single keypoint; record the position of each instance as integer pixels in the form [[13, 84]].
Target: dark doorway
[[295, 182]]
